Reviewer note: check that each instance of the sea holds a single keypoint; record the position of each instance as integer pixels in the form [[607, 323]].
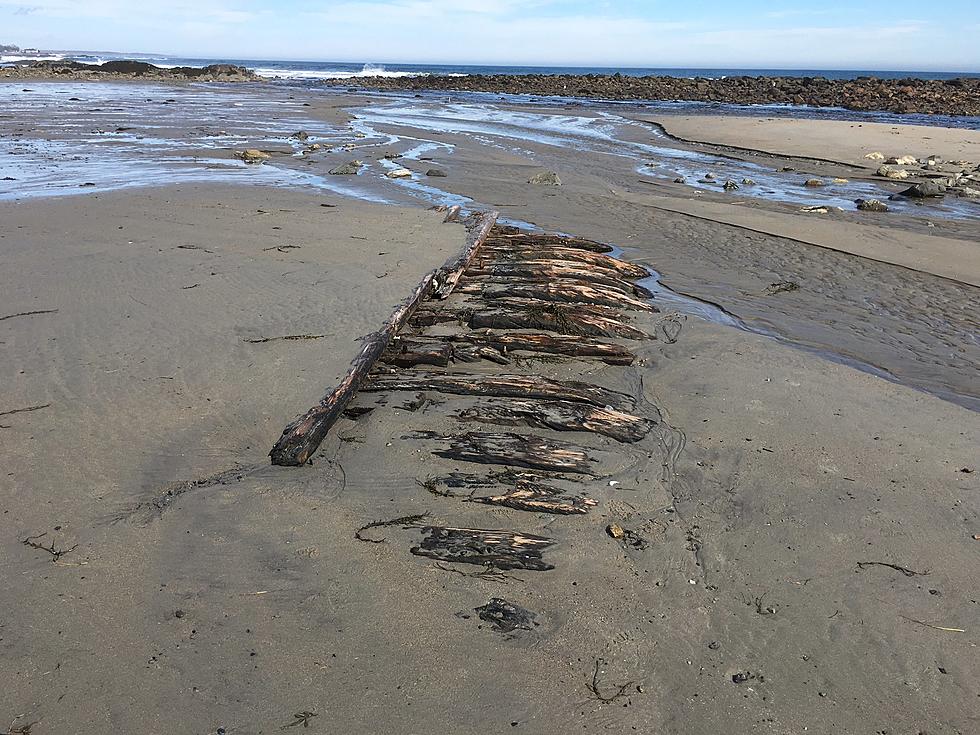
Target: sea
[[312, 70]]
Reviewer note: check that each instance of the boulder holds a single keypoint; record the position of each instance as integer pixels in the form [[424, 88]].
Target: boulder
[[546, 178], [871, 205], [436, 173], [399, 173], [348, 169], [925, 190]]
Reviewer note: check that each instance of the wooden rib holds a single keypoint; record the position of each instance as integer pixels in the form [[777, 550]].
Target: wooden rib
[[302, 437], [554, 318], [485, 266], [540, 500], [404, 353], [504, 550], [505, 236], [513, 450], [565, 291], [561, 416], [557, 276], [608, 352], [499, 386], [495, 254]]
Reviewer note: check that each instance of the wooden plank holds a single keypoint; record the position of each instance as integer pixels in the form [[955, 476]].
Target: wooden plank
[[561, 416], [504, 550], [450, 273]]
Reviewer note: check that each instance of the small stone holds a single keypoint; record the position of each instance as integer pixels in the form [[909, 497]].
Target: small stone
[[399, 173], [875, 156], [748, 182], [903, 161], [616, 531], [252, 155], [179, 613], [871, 205], [814, 183], [730, 185], [679, 180], [709, 176], [436, 173], [838, 180], [301, 135], [892, 173], [348, 169], [546, 178]]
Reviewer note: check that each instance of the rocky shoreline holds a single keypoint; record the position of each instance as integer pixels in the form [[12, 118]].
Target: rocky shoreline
[[74, 71], [960, 96]]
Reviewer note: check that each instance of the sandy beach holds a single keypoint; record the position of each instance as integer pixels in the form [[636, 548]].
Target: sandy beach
[[800, 518]]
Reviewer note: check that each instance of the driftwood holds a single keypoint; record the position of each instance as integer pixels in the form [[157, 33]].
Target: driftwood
[[513, 450], [532, 272], [540, 499], [408, 354], [562, 290], [572, 346], [500, 386], [504, 236], [496, 549], [561, 416], [301, 438], [506, 617], [573, 320], [475, 353], [452, 271], [515, 254]]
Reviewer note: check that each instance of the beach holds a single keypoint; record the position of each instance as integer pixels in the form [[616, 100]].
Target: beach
[[797, 525]]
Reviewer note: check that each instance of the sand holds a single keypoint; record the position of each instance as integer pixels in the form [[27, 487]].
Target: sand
[[241, 601], [849, 142]]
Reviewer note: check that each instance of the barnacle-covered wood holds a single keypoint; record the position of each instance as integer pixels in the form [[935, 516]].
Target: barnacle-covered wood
[[502, 550], [561, 416], [500, 386]]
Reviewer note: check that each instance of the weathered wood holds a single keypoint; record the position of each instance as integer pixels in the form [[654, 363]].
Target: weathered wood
[[572, 346], [551, 269], [476, 353], [301, 438], [563, 291], [519, 253], [451, 272], [554, 318], [499, 386], [561, 416], [559, 278], [540, 500], [502, 550], [513, 450], [404, 353], [503, 235]]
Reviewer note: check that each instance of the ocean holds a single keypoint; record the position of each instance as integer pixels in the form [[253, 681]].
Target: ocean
[[311, 70]]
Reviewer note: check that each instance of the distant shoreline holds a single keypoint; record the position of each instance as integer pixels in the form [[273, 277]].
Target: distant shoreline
[[955, 97]]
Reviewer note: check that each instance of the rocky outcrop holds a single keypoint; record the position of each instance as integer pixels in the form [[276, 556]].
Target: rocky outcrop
[[127, 70], [960, 96]]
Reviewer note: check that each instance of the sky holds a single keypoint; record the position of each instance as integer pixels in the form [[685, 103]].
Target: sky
[[792, 34]]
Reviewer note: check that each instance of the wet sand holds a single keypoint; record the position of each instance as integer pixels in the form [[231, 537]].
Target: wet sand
[[240, 602]]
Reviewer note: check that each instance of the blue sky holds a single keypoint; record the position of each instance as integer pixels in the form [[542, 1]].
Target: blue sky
[[827, 34]]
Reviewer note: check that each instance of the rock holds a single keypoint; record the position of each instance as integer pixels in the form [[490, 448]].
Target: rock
[[301, 135], [816, 209], [892, 173], [730, 185], [748, 182], [924, 190], [709, 176], [680, 180], [399, 173], [839, 180], [616, 531], [348, 169], [903, 161], [313, 147], [252, 155], [967, 191], [814, 183], [546, 178], [875, 156], [871, 205], [436, 173]]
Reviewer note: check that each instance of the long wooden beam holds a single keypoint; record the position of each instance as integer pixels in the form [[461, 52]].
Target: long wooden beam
[[302, 437]]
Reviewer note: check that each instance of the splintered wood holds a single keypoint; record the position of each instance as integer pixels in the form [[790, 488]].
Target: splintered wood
[[520, 300]]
